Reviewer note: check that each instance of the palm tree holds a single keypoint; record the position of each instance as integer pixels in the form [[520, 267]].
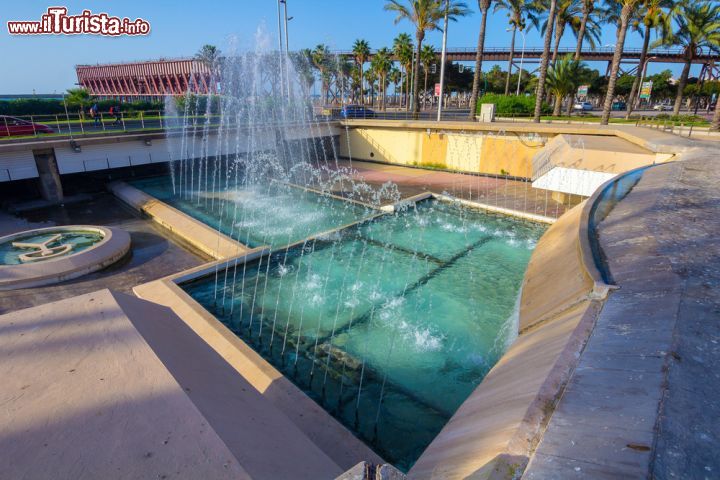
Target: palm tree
[[320, 58], [484, 6], [569, 13], [588, 7], [78, 98], [540, 92], [516, 18], [698, 28], [371, 77], [209, 55], [403, 50], [395, 77], [715, 125], [653, 16], [427, 57], [627, 9], [361, 51], [381, 64], [303, 64], [563, 79], [426, 16]]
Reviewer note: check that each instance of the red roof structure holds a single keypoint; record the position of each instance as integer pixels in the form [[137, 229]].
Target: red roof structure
[[151, 79]]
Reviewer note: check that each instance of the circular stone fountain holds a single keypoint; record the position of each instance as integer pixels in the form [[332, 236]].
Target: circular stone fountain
[[50, 255]]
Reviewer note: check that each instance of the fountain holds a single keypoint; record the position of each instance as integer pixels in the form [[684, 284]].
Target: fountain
[[50, 255], [388, 313]]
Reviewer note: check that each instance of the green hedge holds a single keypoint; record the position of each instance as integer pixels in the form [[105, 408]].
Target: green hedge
[[511, 104], [37, 106]]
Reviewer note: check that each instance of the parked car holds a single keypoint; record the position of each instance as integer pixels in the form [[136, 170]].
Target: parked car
[[662, 107], [356, 111], [11, 126], [619, 105], [583, 107]]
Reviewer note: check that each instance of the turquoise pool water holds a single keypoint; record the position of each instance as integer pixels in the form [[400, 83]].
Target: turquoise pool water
[[80, 241], [272, 214], [389, 325]]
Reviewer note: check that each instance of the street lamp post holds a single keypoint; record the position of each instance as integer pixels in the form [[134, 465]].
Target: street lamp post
[[442, 61], [522, 58], [287, 48], [280, 44]]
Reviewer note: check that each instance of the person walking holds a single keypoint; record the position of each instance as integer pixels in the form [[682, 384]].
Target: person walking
[[94, 114]]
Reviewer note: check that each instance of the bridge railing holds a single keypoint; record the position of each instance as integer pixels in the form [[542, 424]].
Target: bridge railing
[[659, 51]]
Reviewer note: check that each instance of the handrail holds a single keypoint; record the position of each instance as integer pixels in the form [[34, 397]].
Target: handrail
[[589, 245]]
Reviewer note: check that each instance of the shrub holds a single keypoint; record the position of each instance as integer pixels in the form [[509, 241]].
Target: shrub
[[44, 106], [511, 104], [680, 118]]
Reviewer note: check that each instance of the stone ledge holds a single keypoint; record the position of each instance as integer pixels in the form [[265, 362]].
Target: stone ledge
[[325, 431], [114, 245], [208, 240]]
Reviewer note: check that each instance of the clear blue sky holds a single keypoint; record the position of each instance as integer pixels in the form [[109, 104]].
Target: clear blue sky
[[46, 63]]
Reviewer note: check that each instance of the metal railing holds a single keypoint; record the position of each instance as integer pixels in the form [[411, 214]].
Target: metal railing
[[660, 51], [81, 124]]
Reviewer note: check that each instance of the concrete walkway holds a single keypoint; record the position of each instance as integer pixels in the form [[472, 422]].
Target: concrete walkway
[[644, 400], [100, 386]]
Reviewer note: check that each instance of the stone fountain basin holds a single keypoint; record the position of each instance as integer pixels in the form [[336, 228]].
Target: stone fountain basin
[[114, 245]]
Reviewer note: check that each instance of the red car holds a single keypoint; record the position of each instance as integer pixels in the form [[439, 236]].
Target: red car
[[10, 126]]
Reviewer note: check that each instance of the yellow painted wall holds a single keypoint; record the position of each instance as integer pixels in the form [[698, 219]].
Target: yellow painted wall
[[402, 147], [434, 150], [483, 152]]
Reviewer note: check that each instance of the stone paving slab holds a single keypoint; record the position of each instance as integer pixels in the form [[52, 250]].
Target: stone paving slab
[[648, 377], [84, 397], [100, 386]]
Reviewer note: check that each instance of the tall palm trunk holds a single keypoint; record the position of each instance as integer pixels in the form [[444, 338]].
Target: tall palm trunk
[[715, 125], [419, 36], [683, 80], [638, 76], [559, 30], [558, 105], [484, 7], [407, 87], [402, 80], [384, 94], [581, 32], [540, 92], [362, 81], [624, 18], [510, 60]]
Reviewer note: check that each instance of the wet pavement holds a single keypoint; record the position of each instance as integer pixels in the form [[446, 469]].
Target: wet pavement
[[152, 254]]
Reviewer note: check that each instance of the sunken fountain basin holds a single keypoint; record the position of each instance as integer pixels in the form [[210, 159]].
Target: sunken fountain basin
[[45, 256]]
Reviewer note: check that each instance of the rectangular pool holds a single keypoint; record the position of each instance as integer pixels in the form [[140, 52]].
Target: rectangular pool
[[390, 324], [255, 215]]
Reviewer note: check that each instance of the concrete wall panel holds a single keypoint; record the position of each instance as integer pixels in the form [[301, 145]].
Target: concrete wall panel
[[17, 166]]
